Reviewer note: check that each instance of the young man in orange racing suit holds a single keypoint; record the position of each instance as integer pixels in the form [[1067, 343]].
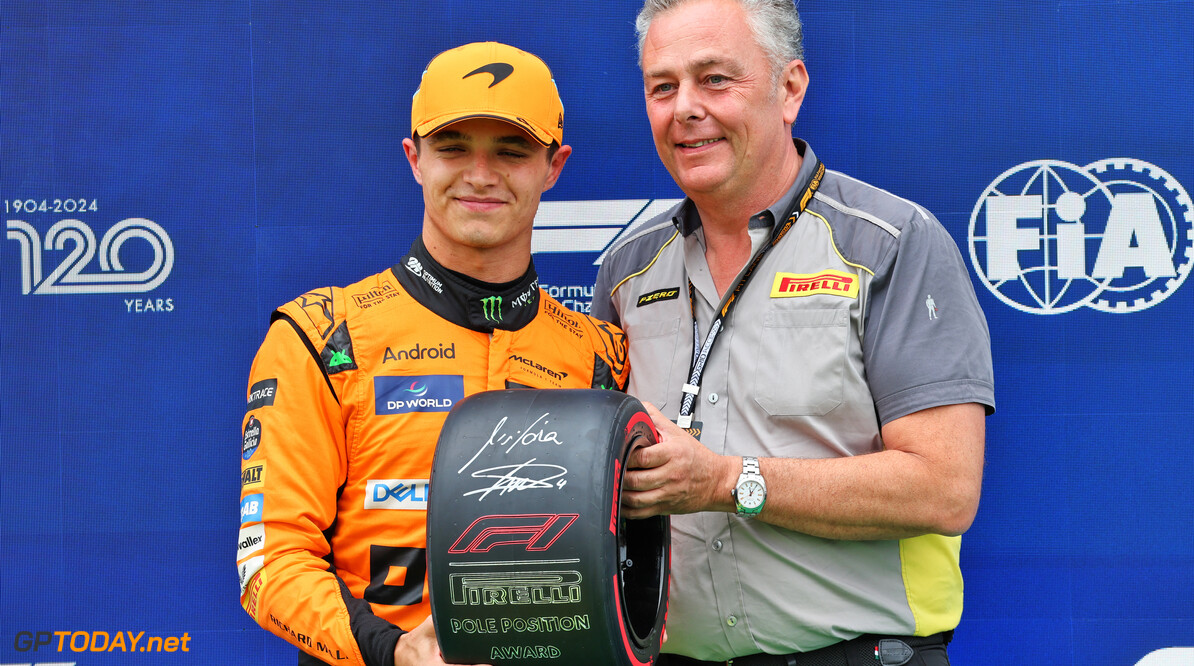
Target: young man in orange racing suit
[[351, 386]]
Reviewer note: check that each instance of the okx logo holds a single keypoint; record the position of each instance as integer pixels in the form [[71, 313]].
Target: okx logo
[[68, 277], [1048, 237], [491, 308], [426, 393]]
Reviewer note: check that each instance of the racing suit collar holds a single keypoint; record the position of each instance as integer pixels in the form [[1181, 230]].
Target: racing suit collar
[[466, 301]]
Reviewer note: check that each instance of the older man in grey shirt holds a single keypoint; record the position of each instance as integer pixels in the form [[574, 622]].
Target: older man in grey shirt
[[777, 314]]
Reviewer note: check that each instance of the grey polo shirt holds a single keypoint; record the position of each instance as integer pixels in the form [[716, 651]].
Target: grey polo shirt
[[862, 313]]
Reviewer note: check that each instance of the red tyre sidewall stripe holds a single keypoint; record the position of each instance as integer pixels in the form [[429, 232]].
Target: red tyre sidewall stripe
[[613, 510], [642, 417], [630, 654]]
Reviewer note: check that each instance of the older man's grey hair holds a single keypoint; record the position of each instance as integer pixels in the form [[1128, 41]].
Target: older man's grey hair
[[775, 24]]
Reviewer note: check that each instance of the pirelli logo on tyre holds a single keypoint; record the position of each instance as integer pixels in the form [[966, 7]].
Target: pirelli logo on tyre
[[515, 587]]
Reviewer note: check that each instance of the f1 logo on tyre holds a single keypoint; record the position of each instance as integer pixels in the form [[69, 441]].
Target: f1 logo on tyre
[[536, 532]]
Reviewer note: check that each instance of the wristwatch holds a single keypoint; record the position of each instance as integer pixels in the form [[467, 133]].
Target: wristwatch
[[751, 490]]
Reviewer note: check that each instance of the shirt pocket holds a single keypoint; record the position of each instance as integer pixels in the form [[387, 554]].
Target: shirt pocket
[[652, 357], [802, 362]]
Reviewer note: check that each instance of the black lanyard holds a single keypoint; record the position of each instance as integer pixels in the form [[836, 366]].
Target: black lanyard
[[700, 352]]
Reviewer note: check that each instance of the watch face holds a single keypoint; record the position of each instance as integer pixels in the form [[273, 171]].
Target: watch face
[[751, 494]]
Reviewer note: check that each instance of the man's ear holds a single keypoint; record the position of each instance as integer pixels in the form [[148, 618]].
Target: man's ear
[[795, 84], [557, 166], [412, 156]]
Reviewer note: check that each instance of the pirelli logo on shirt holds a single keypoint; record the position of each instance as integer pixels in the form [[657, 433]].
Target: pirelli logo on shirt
[[830, 282]]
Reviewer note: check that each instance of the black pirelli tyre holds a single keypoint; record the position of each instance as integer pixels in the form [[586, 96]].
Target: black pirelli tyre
[[528, 558]]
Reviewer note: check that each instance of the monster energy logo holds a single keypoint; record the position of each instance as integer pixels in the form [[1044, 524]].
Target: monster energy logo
[[491, 308]]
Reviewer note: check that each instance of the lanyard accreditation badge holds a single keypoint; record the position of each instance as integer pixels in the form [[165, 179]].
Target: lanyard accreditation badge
[[700, 352]]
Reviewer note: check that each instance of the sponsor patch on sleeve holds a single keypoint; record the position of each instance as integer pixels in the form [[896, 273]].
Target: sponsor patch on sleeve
[[253, 476], [337, 355], [250, 540], [248, 569], [252, 508], [249, 603], [829, 282], [251, 439], [262, 394]]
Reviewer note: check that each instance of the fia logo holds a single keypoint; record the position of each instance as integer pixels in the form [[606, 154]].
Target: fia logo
[[68, 277], [1048, 237]]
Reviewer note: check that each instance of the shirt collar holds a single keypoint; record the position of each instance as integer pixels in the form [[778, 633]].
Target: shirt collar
[[687, 219]]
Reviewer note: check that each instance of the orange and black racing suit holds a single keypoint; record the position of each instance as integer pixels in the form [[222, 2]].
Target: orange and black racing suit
[[346, 399]]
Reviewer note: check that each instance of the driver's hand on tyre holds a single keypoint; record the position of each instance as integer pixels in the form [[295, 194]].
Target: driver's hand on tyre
[[418, 647]]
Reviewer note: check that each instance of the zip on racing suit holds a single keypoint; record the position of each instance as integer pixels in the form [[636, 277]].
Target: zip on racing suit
[[346, 399]]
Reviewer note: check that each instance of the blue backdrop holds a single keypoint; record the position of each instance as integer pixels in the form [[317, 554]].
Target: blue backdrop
[[170, 172]]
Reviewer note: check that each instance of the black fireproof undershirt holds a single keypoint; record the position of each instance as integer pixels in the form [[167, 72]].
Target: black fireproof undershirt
[[466, 301]]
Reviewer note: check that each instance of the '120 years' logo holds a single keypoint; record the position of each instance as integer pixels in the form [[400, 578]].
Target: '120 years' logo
[[1115, 235], [69, 276]]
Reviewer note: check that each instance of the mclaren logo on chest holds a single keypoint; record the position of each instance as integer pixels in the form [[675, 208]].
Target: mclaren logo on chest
[[829, 282], [535, 365]]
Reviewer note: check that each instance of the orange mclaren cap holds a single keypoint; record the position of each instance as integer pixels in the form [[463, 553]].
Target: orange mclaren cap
[[488, 80]]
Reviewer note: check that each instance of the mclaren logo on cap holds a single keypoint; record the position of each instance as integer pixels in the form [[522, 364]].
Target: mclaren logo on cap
[[499, 70]]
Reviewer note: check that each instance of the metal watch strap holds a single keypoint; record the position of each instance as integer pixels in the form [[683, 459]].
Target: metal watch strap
[[750, 473], [750, 465]]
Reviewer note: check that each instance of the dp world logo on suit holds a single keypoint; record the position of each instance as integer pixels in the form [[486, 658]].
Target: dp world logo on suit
[[1048, 237], [424, 393]]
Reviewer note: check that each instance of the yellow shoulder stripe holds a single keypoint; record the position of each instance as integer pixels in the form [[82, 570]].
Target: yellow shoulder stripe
[[833, 241], [648, 266]]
